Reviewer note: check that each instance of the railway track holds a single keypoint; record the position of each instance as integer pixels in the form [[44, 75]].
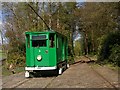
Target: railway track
[[17, 85], [51, 79], [26, 80], [96, 72], [20, 83], [50, 82], [100, 75], [30, 79]]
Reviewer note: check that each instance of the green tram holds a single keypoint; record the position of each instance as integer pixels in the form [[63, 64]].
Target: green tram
[[46, 51]]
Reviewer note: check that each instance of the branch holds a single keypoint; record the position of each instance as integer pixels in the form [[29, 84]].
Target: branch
[[38, 15], [14, 15], [12, 11]]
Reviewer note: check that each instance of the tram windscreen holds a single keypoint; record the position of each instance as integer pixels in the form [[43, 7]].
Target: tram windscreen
[[39, 43]]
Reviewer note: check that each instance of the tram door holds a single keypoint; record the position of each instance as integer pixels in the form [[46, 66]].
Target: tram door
[[40, 50]]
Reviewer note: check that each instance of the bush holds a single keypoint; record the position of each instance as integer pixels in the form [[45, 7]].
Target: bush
[[16, 59], [115, 55], [70, 60], [109, 51], [77, 48]]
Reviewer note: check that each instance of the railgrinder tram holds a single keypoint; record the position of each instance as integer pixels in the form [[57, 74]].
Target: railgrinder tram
[[46, 51]]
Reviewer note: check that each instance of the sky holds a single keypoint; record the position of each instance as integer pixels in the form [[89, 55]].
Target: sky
[[0, 17], [0, 25], [0, 13], [0, 22]]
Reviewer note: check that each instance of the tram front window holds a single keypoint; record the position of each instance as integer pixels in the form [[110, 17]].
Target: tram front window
[[39, 43]]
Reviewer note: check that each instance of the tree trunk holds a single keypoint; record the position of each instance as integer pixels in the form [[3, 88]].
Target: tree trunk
[[2, 41], [37, 10], [50, 17], [72, 42], [58, 25], [86, 43], [43, 15], [93, 46]]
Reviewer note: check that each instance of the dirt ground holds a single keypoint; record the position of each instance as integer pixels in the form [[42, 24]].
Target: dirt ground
[[79, 75], [82, 76]]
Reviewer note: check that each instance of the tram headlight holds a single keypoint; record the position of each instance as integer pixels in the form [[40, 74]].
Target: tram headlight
[[39, 57]]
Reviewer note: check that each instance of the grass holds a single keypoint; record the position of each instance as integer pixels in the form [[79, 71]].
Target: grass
[[108, 65], [70, 59], [6, 72], [111, 66], [2, 55], [94, 57]]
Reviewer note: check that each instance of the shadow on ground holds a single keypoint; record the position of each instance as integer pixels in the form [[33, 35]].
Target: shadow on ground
[[45, 73]]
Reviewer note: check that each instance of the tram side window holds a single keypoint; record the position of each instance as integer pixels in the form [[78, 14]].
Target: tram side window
[[57, 43], [51, 38], [39, 43], [28, 41]]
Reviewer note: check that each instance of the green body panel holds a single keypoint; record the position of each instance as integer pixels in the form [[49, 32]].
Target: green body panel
[[44, 55], [61, 49], [51, 56]]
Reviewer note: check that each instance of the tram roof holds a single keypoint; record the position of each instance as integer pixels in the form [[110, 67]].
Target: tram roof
[[39, 32], [45, 32]]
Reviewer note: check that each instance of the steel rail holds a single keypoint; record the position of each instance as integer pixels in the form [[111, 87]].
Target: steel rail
[[104, 78], [101, 75]]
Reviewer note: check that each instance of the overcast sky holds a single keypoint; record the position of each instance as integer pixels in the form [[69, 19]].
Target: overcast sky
[[0, 17], [0, 23]]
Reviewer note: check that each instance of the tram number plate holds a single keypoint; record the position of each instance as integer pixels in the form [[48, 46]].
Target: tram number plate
[[38, 67]]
